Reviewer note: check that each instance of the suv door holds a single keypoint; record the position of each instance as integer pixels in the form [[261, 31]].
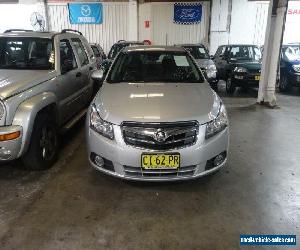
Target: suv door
[[68, 81], [85, 86]]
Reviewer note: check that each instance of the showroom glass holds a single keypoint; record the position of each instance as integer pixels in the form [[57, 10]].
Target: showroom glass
[[197, 52], [83, 58], [292, 53], [67, 58], [25, 53], [245, 53], [154, 66]]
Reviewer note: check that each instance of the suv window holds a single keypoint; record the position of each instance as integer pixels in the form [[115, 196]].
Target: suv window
[[220, 51], [67, 58], [25, 53], [83, 58], [96, 51]]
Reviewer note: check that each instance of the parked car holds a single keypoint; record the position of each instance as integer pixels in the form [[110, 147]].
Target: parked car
[[208, 67], [238, 65], [99, 54], [156, 118], [115, 49], [45, 86], [289, 67]]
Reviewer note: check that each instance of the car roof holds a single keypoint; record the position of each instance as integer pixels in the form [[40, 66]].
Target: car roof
[[29, 34], [129, 42], [190, 44], [154, 48], [231, 45]]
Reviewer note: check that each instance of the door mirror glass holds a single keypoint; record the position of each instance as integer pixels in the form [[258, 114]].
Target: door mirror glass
[[98, 75]]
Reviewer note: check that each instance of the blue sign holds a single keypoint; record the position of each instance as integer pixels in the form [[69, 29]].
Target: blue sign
[[85, 13], [187, 13], [267, 240]]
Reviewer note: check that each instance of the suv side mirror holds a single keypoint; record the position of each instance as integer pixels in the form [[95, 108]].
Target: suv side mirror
[[98, 75]]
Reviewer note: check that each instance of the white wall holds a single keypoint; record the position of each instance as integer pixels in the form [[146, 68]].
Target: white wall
[[163, 31], [246, 23], [292, 26]]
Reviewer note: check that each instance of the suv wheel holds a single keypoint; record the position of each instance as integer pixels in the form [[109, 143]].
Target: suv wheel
[[230, 86], [284, 85], [43, 148]]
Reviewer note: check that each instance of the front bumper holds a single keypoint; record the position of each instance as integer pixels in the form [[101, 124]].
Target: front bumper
[[294, 78], [125, 160], [246, 80], [10, 149]]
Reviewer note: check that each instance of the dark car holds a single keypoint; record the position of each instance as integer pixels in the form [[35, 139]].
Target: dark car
[[201, 56], [289, 67], [115, 49], [238, 65]]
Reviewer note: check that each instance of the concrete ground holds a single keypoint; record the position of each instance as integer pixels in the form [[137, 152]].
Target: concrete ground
[[72, 206]]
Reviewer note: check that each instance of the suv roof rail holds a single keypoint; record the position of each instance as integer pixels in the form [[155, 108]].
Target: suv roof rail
[[16, 30], [70, 30], [121, 41]]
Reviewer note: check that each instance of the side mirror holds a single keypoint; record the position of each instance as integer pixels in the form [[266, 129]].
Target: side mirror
[[98, 75]]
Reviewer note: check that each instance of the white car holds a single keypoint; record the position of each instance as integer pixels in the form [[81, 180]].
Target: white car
[[156, 118]]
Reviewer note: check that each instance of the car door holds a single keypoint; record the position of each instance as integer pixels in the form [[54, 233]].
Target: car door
[[84, 85], [68, 80]]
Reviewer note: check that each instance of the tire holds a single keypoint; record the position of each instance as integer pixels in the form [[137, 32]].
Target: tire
[[43, 149], [230, 86], [284, 85]]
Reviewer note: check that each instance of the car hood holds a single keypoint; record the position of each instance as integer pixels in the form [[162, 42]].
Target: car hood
[[250, 65], [155, 102], [16, 81], [204, 63]]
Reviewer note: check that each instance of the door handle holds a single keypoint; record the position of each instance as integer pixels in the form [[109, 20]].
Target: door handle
[[78, 74]]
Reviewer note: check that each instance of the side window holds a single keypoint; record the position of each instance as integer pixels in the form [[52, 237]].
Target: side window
[[79, 48], [96, 51], [67, 58], [111, 52]]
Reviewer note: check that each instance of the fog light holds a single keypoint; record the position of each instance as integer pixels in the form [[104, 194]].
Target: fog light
[[5, 154], [99, 161], [219, 160]]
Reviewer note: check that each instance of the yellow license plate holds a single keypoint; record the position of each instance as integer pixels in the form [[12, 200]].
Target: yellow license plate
[[257, 78], [161, 161]]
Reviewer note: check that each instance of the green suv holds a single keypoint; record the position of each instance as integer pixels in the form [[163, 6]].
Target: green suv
[[238, 65]]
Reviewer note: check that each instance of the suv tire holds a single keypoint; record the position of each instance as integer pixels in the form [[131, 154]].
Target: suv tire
[[230, 86], [43, 149], [284, 84]]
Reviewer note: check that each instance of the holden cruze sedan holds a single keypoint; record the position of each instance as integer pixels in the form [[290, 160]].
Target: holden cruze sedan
[[156, 118]]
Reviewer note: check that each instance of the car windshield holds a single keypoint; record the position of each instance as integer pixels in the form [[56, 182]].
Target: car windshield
[[243, 52], [26, 53], [291, 53], [154, 66], [198, 52], [118, 47]]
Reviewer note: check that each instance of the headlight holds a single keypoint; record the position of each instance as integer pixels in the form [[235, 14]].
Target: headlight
[[218, 124], [296, 68], [211, 71], [240, 70], [99, 125]]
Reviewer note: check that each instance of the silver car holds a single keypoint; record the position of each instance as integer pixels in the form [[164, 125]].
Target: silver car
[[207, 65], [156, 118]]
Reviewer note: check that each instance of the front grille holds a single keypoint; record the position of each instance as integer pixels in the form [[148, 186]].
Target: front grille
[[254, 71], [187, 171], [160, 136]]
